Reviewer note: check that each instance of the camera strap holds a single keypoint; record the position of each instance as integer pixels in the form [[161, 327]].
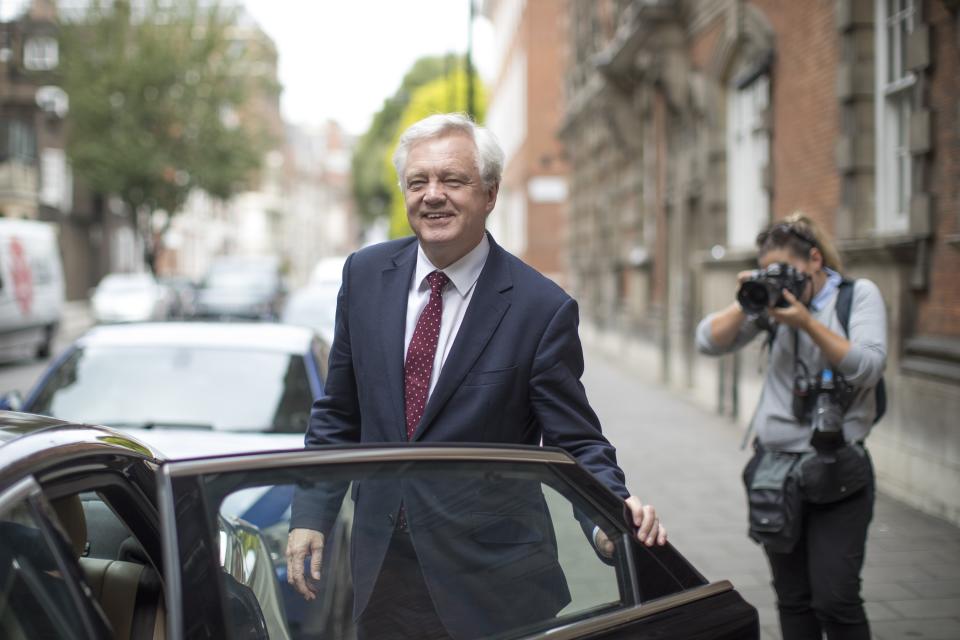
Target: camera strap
[[799, 366]]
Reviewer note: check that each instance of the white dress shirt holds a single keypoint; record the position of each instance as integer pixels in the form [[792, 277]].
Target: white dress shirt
[[463, 276]]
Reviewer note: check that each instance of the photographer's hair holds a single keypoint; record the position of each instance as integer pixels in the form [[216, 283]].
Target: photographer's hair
[[489, 155], [798, 234]]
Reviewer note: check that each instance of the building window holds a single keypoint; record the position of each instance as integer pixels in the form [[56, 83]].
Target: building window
[[895, 20], [748, 154], [41, 53], [18, 143]]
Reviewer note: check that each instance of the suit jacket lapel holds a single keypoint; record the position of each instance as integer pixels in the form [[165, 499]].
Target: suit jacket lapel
[[483, 316], [394, 290]]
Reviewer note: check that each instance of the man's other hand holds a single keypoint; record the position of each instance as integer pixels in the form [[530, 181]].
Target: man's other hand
[[650, 530], [303, 543], [603, 544]]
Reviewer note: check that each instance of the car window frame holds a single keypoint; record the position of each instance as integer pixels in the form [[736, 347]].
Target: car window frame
[[28, 490], [125, 497], [179, 489]]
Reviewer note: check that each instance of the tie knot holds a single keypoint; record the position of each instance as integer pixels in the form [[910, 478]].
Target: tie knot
[[437, 281]]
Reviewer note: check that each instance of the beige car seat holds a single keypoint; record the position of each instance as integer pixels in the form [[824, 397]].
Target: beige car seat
[[130, 594]]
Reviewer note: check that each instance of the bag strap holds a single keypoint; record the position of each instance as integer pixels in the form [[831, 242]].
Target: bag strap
[[844, 303]]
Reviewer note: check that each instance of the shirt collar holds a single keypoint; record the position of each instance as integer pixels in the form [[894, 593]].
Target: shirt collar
[[463, 273], [828, 289]]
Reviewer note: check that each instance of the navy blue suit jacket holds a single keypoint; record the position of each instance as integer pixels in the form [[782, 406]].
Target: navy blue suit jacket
[[512, 376]]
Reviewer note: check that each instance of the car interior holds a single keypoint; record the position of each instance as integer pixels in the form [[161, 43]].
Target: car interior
[[127, 587]]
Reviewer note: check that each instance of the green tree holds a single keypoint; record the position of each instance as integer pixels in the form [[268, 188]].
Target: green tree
[[441, 95], [374, 190], [156, 91]]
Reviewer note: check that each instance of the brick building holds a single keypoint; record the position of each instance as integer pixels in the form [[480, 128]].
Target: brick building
[[524, 113], [36, 181], [690, 125]]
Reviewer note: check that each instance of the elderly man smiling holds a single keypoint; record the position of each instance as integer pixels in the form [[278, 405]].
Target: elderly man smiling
[[446, 337]]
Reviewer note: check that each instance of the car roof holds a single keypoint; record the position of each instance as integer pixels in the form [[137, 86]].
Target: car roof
[[261, 336], [14, 425], [29, 443], [130, 277]]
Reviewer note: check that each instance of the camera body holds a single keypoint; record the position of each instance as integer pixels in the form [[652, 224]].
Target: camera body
[[765, 288], [821, 400]]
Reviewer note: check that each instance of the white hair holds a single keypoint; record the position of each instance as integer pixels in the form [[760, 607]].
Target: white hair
[[489, 155]]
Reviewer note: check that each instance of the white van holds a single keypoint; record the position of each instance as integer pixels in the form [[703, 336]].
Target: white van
[[31, 286]]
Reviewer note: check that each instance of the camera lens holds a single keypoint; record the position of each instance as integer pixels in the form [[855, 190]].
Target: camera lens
[[753, 296]]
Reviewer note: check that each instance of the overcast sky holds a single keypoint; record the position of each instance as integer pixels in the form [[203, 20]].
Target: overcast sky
[[339, 59]]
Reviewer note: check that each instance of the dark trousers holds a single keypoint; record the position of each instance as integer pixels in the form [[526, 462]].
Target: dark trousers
[[400, 606], [818, 583]]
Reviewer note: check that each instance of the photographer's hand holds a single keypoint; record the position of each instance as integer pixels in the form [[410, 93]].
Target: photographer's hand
[[727, 322], [834, 346], [796, 315]]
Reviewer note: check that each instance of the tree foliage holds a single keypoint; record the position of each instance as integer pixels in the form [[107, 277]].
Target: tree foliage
[[441, 95], [156, 89], [374, 189]]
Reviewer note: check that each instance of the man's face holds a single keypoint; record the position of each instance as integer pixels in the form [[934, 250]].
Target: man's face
[[447, 201]]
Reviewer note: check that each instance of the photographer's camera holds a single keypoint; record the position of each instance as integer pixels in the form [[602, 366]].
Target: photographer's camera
[[765, 288]]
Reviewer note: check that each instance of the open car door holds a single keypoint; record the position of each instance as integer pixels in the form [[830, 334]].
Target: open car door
[[504, 539]]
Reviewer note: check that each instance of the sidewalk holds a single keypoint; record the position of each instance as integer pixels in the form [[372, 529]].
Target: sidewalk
[[687, 462]]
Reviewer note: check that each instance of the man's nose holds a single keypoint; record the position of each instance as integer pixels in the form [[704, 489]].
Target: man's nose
[[435, 193]]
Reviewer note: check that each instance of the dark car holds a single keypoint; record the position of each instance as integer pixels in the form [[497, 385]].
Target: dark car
[[192, 388], [77, 500], [249, 288]]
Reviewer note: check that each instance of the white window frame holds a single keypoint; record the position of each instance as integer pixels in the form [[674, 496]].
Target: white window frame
[[894, 21], [748, 155], [41, 53]]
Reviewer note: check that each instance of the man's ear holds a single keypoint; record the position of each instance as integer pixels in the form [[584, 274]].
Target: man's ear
[[492, 192]]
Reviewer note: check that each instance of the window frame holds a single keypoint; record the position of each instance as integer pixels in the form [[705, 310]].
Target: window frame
[[893, 86], [28, 492], [747, 143], [190, 554], [41, 53]]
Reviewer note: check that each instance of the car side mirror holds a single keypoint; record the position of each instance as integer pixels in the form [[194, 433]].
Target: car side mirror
[[11, 401]]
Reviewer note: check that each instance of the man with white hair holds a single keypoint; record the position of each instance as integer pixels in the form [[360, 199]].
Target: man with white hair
[[446, 337]]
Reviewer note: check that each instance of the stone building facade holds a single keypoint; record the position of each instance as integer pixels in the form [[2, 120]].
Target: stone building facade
[[690, 125]]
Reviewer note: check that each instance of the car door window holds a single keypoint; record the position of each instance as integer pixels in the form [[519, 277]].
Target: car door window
[[40, 596], [503, 548]]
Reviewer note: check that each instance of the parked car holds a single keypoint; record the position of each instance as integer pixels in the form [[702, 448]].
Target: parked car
[[314, 306], [327, 271], [129, 297], [81, 550], [183, 298], [31, 287], [183, 384], [163, 519], [237, 287]]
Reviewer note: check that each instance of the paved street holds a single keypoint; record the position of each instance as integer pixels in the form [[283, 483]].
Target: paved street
[[687, 462]]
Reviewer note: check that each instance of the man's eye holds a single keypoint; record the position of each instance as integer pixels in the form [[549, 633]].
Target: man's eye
[[415, 184], [453, 181]]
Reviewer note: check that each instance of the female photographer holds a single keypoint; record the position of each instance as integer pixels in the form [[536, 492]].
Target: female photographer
[[816, 567]]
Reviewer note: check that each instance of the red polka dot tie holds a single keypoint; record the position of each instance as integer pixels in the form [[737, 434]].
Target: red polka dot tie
[[420, 354]]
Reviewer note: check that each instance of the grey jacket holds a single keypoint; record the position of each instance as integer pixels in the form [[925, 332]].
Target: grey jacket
[[774, 423]]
